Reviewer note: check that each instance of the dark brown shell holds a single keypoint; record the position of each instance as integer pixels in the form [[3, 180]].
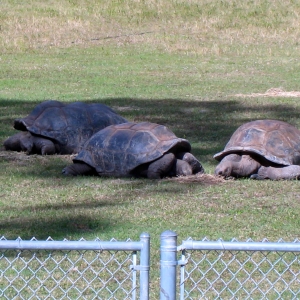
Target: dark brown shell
[[68, 125], [276, 141], [118, 149]]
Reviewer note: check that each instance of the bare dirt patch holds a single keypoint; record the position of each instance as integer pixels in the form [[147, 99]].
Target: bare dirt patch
[[273, 92]]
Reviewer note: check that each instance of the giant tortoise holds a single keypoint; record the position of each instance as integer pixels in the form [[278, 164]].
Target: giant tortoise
[[135, 150], [56, 127], [262, 149]]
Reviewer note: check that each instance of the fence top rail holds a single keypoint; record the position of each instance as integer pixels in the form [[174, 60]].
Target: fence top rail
[[239, 246], [70, 245]]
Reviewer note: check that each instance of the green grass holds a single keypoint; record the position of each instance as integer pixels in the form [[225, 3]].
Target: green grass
[[177, 63]]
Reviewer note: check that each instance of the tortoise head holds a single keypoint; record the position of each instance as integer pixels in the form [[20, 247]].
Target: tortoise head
[[238, 165], [229, 165], [224, 168]]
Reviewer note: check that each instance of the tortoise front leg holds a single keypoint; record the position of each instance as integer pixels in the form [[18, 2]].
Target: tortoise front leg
[[161, 167], [192, 161], [25, 141], [289, 172], [21, 141], [183, 168], [43, 146]]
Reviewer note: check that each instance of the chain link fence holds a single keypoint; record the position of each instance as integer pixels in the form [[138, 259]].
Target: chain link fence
[[74, 269], [239, 270], [120, 270]]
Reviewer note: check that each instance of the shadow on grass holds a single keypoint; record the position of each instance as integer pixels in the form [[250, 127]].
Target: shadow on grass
[[199, 121], [57, 220]]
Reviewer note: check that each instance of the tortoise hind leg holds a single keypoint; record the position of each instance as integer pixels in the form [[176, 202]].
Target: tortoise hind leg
[[78, 169], [289, 172]]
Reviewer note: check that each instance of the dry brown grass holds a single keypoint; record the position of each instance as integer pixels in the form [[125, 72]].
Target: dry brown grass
[[202, 179], [23, 158], [182, 26]]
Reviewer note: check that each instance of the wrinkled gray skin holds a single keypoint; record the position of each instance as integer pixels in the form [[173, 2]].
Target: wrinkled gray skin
[[244, 166], [237, 165]]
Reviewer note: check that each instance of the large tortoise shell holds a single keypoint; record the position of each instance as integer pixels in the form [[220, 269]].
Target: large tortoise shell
[[68, 125], [276, 141], [118, 149]]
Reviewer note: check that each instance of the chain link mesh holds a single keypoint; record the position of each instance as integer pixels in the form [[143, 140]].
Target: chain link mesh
[[219, 274], [104, 274], [72, 274]]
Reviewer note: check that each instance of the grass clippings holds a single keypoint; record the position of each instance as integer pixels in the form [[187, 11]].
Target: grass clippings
[[203, 179]]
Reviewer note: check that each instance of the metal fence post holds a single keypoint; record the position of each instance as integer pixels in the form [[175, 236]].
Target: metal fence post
[[144, 266], [168, 263]]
